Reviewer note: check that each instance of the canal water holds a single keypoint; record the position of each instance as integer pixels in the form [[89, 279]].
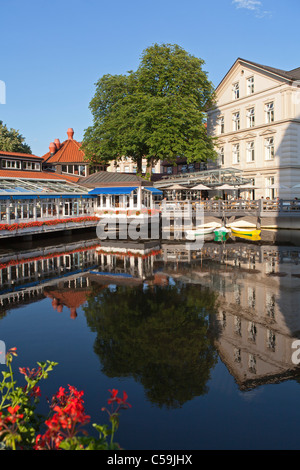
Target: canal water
[[202, 341]]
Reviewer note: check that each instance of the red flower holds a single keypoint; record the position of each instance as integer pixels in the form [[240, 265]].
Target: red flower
[[69, 416], [30, 373], [12, 417], [121, 402]]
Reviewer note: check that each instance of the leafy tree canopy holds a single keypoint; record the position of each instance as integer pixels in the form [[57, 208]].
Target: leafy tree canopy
[[159, 336], [12, 141], [157, 112]]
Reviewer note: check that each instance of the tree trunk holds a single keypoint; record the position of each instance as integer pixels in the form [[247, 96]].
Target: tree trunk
[[139, 168], [150, 165]]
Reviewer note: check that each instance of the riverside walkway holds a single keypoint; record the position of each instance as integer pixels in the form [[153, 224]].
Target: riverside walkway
[[273, 213]]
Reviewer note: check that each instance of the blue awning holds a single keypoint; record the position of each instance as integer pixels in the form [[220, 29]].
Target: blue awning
[[28, 196], [153, 190], [113, 191], [72, 196]]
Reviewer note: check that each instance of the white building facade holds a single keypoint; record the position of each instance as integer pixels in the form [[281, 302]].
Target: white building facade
[[127, 165], [256, 121]]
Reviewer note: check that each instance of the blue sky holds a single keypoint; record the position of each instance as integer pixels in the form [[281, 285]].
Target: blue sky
[[53, 52]]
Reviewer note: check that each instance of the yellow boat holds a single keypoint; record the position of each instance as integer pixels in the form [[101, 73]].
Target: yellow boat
[[244, 232]]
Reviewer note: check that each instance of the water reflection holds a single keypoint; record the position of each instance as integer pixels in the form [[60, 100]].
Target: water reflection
[[157, 335], [163, 314]]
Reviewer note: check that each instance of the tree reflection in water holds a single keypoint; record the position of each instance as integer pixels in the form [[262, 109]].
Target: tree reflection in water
[[158, 335]]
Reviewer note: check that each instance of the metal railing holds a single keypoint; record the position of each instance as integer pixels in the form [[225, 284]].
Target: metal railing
[[240, 206]]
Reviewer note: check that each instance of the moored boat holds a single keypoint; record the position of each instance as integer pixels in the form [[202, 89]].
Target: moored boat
[[202, 230], [251, 232]]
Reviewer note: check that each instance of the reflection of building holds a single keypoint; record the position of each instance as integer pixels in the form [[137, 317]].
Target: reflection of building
[[125, 262], [25, 275], [67, 273], [257, 319], [71, 294], [256, 121]]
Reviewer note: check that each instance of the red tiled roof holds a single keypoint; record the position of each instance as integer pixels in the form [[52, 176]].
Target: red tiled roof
[[18, 154], [36, 175], [70, 299], [69, 152]]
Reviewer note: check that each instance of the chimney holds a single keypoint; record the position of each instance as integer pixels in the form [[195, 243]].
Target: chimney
[[57, 144], [52, 148], [70, 133]]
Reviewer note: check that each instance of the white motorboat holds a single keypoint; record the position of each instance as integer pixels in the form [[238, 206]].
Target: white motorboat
[[202, 230]]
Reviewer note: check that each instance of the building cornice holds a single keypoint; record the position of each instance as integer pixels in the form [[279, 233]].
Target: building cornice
[[239, 135]]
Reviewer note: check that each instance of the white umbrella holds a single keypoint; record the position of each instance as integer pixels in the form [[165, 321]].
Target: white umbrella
[[245, 187], [277, 186], [225, 186], [176, 186], [201, 187]]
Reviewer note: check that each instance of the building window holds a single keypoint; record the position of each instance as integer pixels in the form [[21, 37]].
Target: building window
[[237, 355], [221, 155], [74, 169], [81, 170], [269, 148], [222, 125], [237, 325], [250, 86], [169, 170], [236, 154], [31, 166], [251, 297], [269, 111], [252, 331], [270, 305], [126, 169], [271, 340], [250, 117], [236, 91], [236, 121], [11, 164], [250, 152], [270, 191], [252, 363]]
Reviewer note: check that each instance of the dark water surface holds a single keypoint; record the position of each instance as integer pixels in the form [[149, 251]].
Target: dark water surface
[[200, 340]]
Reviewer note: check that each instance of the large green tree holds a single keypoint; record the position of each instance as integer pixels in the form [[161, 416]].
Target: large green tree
[[12, 141], [157, 112]]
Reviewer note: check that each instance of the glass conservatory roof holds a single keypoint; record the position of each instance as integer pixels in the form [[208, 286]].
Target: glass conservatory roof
[[40, 188]]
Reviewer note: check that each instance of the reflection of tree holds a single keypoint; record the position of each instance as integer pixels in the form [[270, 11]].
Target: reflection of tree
[[159, 336]]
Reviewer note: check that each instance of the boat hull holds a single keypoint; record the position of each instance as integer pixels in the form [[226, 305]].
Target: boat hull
[[245, 232]]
